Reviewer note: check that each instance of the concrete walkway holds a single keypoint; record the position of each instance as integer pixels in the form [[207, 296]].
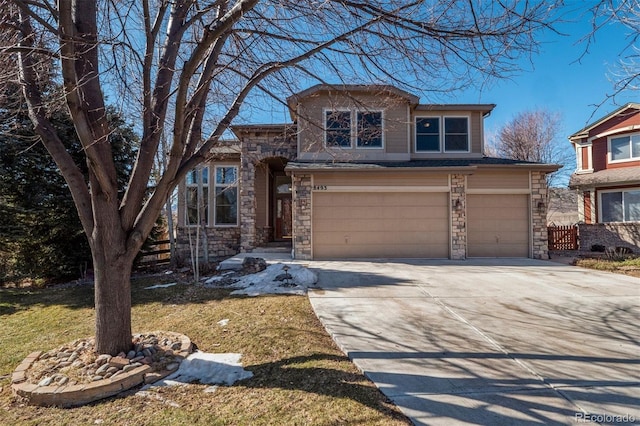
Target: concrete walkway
[[489, 342]]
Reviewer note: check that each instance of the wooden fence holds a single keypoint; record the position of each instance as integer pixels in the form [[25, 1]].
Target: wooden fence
[[563, 237], [155, 253]]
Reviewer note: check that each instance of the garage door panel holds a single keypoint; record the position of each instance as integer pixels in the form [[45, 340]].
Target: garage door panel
[[360, 225], [498, 225]]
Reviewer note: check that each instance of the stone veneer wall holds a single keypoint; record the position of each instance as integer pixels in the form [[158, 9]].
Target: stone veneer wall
[[458, 217], [263, 235], [221, 242], [254, 150], [539, 205], [610, 235], [302, 216]]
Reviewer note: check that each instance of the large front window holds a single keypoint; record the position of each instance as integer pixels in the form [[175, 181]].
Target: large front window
[[226, 187], [625, 148], [197, 196], [620, 206], [451, 136]]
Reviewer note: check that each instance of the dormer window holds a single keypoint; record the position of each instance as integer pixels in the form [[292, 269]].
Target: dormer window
[[624, 148], [343, 128], [432, 137]]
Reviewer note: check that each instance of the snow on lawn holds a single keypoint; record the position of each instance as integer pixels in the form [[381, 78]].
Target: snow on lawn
[[206, 368], [266, 282]]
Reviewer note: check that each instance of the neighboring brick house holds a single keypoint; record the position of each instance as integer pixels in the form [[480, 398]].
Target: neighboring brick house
[[368, 171], [607, 179]]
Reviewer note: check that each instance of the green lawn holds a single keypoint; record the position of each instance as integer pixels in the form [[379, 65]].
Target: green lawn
[[300, 376]]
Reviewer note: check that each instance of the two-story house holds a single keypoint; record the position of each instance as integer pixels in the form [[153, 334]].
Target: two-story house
[[364, 172], [607, 178]]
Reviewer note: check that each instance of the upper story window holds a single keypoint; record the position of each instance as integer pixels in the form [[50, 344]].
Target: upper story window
[[428, 134], [625, 148], [197, 196], [369, 129], [338, 128], [226, 187], [456, 134], [344, 127], [432, 137]]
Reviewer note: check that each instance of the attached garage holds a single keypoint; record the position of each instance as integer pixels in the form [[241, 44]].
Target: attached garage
[[498, 225], [380, 224]]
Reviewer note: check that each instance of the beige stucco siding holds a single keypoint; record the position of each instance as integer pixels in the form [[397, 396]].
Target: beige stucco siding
[[498, 180], [381, 179]]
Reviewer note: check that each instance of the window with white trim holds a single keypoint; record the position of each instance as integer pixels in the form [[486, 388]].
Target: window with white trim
[[338, 129], [197, 196], [344, 127], [226, 196], [442, 134], [427, 134], [620, 206], [369, 125], [624, 148]]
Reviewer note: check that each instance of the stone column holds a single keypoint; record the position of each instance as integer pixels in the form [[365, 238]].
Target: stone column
[[458, 217], [247, 206], [301, 185], [539, 205]]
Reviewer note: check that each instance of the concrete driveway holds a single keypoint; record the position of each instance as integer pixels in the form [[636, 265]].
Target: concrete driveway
[[489, 342]]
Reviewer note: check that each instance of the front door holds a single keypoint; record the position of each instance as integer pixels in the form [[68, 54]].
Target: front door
[[283, 217]]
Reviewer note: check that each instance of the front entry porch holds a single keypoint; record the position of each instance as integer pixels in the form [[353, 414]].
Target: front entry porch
[[272, 201]]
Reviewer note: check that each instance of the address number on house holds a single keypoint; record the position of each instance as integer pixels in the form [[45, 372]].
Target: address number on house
[[320, 187]]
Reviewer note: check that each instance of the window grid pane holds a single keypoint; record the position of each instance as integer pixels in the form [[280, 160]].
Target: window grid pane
[[226, 195], [456, 134], [428, 134], [631, 206], [369, 129], [338, 128], [611, 207], [620, 148]]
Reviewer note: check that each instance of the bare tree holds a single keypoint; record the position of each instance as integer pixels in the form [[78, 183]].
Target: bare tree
[[187, 67], [534, 136], [626, 74]]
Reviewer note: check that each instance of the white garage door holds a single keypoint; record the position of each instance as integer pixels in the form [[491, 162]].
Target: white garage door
[[497, 225], [388, 224]]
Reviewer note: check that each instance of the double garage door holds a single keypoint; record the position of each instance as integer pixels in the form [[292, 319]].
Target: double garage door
[[415, 225], [380, 224]]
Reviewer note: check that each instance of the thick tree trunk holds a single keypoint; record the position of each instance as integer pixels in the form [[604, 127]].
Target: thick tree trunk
[[112, 298]]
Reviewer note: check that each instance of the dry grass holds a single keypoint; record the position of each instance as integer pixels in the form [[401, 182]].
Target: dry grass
[[629, 266], [300, 377]]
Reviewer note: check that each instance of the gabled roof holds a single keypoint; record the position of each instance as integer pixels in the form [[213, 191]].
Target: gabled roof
[[370, 88], [583, 133], [485, 109]]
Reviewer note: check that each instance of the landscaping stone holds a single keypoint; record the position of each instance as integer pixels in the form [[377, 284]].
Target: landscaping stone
[[50, 378]]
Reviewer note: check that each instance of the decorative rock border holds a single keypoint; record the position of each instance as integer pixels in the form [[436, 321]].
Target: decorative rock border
[[79, 394]]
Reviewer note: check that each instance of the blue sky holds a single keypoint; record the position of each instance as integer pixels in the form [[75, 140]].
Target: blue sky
[[558, 79]]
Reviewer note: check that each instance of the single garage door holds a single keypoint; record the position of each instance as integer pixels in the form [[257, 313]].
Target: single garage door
[[374, 224], [497, 225]]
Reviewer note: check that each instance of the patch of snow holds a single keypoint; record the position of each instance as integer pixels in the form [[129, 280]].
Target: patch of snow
[[223, 322], [206, 368], [264, 282], [160, 286]]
